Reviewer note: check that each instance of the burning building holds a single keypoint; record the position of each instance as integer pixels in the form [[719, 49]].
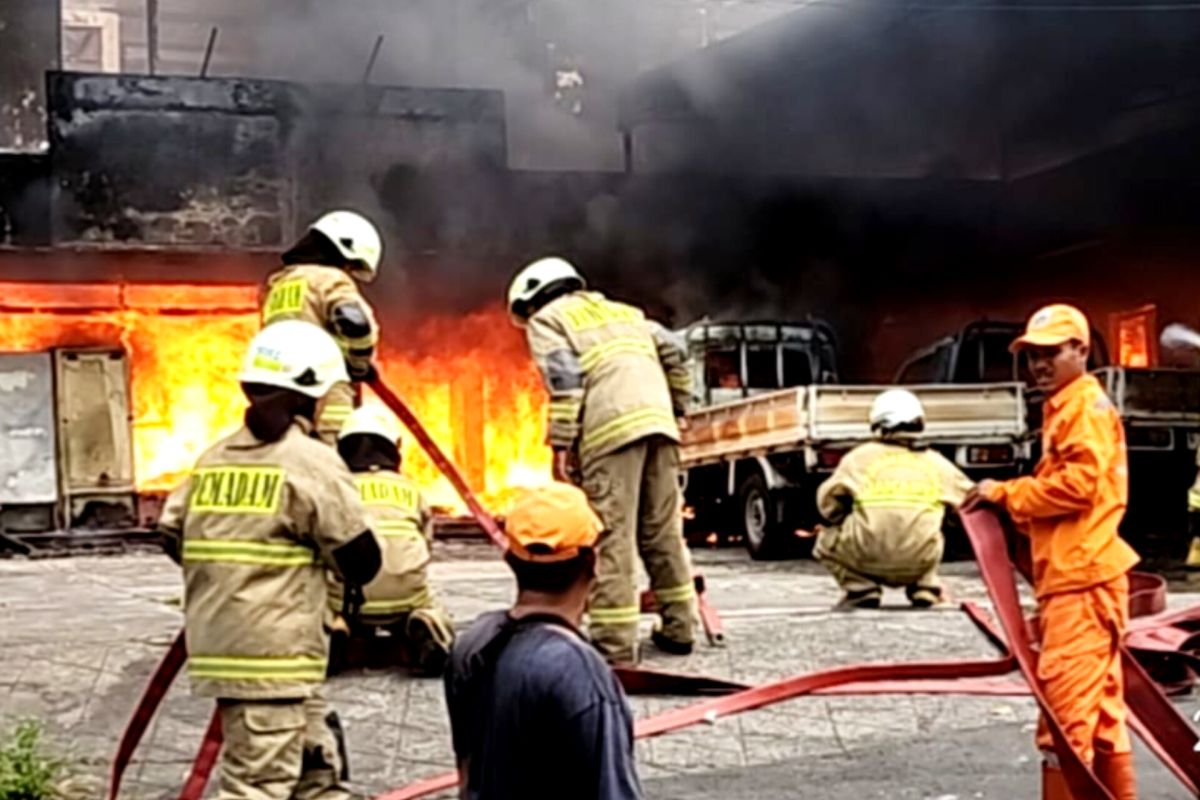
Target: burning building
[[897, 171]]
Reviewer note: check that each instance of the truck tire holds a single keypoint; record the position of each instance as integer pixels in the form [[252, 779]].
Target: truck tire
[[758, 519]]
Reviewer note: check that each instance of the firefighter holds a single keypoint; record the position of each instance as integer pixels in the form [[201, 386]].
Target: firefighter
[[1070, 508], [617, 384], [262, 515], [886, 502], [317, 285], [400, 598]]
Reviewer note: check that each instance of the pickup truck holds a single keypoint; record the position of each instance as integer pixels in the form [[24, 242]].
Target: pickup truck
[[1160, 408], [753, 458]]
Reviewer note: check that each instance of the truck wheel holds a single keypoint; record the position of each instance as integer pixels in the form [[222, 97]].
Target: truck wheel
[[758, 518]]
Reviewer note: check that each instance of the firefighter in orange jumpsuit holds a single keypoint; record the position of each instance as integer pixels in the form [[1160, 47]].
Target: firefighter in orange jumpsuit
[[1070, 509]]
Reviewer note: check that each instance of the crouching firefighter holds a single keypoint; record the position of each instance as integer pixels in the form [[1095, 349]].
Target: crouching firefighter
[[617, 383], [399, 599], [318, 284], [263, 514], [886, 502]]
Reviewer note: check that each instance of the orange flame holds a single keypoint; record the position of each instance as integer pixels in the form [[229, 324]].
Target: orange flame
[[185, 345]]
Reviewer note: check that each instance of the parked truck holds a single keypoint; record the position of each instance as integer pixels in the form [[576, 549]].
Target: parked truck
[[763, 439], [1160, 408]]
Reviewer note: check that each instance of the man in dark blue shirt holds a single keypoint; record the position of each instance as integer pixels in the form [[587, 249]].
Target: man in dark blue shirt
[[534, 710]]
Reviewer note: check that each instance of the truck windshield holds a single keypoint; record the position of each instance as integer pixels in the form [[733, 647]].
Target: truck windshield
[[797, 367], [762, 366]]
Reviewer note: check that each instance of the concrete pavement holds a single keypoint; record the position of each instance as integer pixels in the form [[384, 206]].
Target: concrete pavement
[[80, 636]]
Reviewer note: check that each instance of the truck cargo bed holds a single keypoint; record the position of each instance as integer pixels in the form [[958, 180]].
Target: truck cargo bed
[[811, 416]]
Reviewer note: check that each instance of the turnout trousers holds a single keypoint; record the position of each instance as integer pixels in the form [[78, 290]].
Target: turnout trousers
[[635, 491], [281, 750]]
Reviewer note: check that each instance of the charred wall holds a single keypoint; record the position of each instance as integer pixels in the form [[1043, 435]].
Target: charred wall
[[233, 163], [169, 161], [24, 199], [29, 46]]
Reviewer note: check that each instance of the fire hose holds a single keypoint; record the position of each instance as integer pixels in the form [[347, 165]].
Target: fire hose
[[1160, 725], [176, 654], [1167, 733]]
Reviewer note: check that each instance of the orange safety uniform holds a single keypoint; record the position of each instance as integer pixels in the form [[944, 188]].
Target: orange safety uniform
[[1070, 508]]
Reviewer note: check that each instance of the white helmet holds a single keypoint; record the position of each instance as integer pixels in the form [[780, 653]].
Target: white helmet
[[297, 355], [371, 421], [355, 238], [894, 408], [535, 279]]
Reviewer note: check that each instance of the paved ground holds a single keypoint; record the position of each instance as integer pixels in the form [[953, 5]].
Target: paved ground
[[79, 637]]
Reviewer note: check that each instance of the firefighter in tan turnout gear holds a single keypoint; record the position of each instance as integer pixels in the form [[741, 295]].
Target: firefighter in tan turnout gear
[[264, 513], [887, 500], [317, 285], [617, 383], [400, 598]]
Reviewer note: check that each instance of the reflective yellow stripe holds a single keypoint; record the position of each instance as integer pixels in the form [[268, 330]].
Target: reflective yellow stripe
[[595, 354], [402, 529], [236, 489], [336, 412], [564, 412], [1193, 500], [285, 297], [898, 502], [676, 594], [623, 615], [683, 382], [615, 428], [411, 603], [265, 553], [359, 343], [257, 668]]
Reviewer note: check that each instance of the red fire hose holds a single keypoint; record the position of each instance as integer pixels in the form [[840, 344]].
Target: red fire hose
[[1156, 721], [1152, 716], [176, 655], [711, 621], [439, 459]]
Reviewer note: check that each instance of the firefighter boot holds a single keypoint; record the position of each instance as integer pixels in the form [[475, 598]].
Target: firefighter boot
[[924, 596], [668, 645], [1115, 771], [860, 598], [430, 637], [1054, 783]]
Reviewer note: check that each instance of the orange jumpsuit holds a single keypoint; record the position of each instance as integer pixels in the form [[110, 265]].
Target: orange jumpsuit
[[1070, 508]]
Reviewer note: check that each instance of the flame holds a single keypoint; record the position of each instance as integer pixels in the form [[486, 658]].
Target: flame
[[469, 379]]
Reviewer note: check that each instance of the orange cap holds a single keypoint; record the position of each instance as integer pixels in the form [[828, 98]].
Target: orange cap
[[551, 523], [1054, 325]]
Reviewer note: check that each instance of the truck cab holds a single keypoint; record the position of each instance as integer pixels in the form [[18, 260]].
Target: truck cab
[[978, 354], [736, 360]]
